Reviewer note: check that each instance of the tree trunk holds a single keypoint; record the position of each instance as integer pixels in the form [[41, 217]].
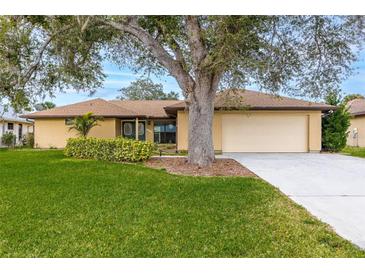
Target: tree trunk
[[201, 111]]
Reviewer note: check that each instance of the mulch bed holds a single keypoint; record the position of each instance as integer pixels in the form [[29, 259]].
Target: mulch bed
[[180, 165]]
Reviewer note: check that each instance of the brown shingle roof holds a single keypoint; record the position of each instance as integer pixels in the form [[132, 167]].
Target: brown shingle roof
[[229, 99], [112, 108], [254, 100], [98, 107], [356, 107], [147, 108]]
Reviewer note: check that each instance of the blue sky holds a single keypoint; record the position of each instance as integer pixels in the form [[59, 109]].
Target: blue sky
[[115, 80], [118, 78]]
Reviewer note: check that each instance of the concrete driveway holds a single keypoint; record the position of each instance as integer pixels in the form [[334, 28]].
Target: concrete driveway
[[330, 186]]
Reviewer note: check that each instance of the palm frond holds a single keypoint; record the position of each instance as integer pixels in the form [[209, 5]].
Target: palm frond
[[83, 124]]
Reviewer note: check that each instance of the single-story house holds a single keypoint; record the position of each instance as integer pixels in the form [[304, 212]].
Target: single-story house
[[356, 135], [244, 121], [11, 122]]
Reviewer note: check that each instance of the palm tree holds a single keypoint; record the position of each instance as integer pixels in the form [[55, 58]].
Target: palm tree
[[83, 124]]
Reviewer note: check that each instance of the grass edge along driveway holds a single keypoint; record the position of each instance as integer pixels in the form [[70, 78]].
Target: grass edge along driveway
[[354, 151], [53, 206]]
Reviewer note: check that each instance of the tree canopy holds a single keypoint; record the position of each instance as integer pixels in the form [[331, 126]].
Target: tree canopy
[[45, 105], [145, 89], [297, 55], [302, 55]]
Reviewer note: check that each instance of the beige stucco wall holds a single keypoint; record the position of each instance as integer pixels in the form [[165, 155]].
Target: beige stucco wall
[[359, 123], [54, 132], [118, 127], [182, 125], [149, 130], [313, 130]]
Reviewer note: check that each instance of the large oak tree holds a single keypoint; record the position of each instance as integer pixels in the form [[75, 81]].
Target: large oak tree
[[301, 55]]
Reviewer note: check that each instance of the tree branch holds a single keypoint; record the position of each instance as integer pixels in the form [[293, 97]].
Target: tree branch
[[38, 59], [195, 40], [175, 47], [173, 66], [178, 52], [32, 68]]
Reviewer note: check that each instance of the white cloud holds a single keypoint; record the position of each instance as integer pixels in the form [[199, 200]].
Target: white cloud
[[120, 73], [116, 83]]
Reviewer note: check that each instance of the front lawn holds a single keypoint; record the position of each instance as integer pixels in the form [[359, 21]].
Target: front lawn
[[52, 206], [355, 151]]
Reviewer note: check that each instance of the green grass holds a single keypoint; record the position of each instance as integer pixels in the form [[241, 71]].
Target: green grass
[[354, 151], [51, 206]]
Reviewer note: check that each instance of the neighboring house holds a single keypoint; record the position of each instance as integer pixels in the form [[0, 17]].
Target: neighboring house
[[244, 121], [356, 135], [11, 122]]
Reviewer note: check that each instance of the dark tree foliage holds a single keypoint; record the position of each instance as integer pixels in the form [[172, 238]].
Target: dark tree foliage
[[145, 89], [45, 105], [335, 125]]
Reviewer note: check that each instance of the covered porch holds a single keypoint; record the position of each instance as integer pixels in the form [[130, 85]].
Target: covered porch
[[159, 131]]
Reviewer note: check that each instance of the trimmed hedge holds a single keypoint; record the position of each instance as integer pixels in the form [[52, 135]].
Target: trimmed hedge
[[115, 150]]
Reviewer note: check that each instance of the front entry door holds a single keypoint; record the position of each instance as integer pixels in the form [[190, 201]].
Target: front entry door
[[129, 130], [20, 132]]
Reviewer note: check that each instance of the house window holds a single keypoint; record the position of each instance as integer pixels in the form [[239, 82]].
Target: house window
[[129, 130], [10, 126], [164, 132], [69, 121]]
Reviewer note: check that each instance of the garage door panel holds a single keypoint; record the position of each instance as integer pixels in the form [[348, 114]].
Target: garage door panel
[[264, 133]]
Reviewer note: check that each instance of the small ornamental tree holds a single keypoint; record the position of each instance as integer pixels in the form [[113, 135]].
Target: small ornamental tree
[[8, 139], [335, 125], [83, 124]]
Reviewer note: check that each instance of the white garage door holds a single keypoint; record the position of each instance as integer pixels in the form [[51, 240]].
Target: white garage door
[[264, 133]]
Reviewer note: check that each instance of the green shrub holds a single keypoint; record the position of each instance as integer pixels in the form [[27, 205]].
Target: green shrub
[[28, 140], [8, 139], [335, 125], [115, 150]]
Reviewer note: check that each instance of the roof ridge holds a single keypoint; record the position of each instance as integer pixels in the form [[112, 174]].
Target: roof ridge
[[144, 100], [124, 108], [274, 95], [177, 103], [83, 103], [356, 99], [69, 105]]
